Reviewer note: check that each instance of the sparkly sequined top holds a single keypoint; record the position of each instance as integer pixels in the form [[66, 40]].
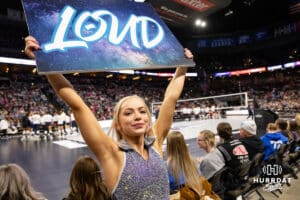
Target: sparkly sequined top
[[142, 179]]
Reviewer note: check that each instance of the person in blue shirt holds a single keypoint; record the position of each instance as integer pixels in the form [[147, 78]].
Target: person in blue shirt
[[272, 140]]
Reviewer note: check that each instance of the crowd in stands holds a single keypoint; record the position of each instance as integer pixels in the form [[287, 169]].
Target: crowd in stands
[[22, 93]]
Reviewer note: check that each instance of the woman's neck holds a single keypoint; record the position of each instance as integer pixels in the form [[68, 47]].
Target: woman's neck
[[138, 144], [210, 149]]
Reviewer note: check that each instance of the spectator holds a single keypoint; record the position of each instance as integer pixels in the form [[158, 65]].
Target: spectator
[[134, 165], [272, 140], [224, 131], [250, 112], [249, 139], [294, 129], [182, 168], [4, 125], [86, 181], [156, 113], [213, 161], [15, 184], [234, 152], [182, 171], [282, 126]]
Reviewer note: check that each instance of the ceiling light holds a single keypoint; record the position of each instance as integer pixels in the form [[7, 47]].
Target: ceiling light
[[203, 24], [109, 75], [198, 22], [230, 12], [136, 78]]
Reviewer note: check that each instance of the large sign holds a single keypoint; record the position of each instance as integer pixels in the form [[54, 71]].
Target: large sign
[[94, 35]]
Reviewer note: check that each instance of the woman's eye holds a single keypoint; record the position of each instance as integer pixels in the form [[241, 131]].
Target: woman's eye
[[127, 113], [143, 111]]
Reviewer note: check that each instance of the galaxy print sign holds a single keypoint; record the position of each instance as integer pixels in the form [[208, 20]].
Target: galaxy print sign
[[100, 35]]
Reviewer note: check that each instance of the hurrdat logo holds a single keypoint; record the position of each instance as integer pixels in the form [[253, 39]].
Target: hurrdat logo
[[272, 177]]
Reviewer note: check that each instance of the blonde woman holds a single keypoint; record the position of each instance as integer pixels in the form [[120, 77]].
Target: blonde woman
[[206, 140], [213, 161], [15, 184], [133, 167], [182, 167]]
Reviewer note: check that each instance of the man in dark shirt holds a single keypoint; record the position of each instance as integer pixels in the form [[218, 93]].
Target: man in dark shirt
[[249, 139], [235, 155], [234, 152]]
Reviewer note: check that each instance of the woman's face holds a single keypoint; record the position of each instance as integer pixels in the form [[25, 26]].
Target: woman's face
[[133, 118], [201, 141]]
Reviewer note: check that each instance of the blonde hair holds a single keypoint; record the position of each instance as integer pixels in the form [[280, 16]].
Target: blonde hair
[[297, 118], [210, 138], [179, 160], [15, 184], [271, 127], [113, 130]]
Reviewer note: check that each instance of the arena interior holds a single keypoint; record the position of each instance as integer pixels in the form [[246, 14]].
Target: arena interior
[[247, 56]]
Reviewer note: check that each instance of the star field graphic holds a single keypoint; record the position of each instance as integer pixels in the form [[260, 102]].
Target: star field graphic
[[101, 54]]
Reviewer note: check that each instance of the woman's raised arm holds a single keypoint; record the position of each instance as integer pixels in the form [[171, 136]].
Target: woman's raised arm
[[97, 140], [172, 94]]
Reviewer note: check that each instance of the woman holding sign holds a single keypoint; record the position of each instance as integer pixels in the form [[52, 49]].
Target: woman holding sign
[[133, 167]]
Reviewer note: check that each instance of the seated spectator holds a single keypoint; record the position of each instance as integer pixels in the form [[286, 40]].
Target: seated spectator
[[183, 173], [213, 161], [86, 181], [294, 129], [224, 130], [282, 126], [182, 168], [249, 139], [272, 140], [233, 150], [235, 155], [15, 184]]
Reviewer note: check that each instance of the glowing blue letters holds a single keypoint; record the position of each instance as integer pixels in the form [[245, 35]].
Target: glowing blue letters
[[89, 32]]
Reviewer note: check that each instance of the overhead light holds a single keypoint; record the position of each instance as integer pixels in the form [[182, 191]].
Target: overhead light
[[17, 61], [203, 24], [230, 12], [139, 1], [199, 22], [109, 75], [34, 70], [136, 78]]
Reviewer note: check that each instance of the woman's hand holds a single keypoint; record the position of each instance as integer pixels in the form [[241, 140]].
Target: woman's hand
[[188, 54], [31, 45]]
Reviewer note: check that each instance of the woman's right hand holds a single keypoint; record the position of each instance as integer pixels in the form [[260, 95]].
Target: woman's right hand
[[31, 45]]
